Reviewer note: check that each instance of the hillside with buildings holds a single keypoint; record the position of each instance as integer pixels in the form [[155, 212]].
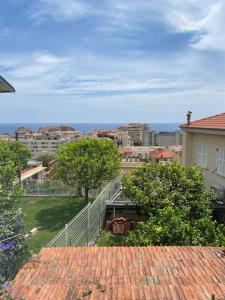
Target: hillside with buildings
[[156, 196]]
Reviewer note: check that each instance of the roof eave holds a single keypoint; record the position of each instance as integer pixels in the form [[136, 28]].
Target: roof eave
[[7, 87], [201, 128]]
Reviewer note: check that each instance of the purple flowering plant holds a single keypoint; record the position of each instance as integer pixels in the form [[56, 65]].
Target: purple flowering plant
[[13, 246]]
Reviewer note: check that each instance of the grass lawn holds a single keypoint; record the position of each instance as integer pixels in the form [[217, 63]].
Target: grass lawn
[[49, 213]]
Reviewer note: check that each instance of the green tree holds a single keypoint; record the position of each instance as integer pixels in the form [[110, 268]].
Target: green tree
[[16, 153], [170, 226], [88, 163], [178, 206]]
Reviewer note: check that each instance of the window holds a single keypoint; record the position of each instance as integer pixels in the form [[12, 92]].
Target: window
[[202, 151], [221, 161]]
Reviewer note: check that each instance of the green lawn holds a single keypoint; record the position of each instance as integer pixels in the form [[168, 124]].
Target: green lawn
[[49, 213]]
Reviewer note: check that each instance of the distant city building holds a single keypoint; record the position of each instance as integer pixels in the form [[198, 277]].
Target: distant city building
[[121, 138], [136, 131], [7, 137], [143, 135], [46, 140], [137, 153], [168, 138], [149, 138], [133, 157], [22, 132], [177, 150], [127, 167], [162, 155]]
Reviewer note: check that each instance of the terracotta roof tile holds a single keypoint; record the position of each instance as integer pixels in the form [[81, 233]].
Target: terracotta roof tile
[[96, 273], [212, 122], [162, 153]]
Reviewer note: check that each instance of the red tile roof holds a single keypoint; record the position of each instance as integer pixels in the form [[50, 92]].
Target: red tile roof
[[97, 273], [213, 122], [162, 153]]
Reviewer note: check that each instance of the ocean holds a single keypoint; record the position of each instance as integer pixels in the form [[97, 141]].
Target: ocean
[[10, 128]]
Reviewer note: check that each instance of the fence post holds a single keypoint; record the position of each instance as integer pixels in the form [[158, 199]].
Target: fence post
[[99, 207], [66, 234], [88, 222]]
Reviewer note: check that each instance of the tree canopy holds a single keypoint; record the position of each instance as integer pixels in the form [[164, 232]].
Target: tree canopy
[[177, 203], [88, 163], [14, 152]]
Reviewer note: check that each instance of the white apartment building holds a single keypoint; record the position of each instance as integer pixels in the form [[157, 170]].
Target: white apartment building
[[136, 132], [44, 141], [168, 138], [204, 144], [42, 146]]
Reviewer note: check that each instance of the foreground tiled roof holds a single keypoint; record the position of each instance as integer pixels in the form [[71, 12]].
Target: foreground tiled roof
[[213, 122], [123, 273]]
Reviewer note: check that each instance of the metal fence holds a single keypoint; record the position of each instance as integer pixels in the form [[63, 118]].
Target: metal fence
[[52, 188], [86, 226]]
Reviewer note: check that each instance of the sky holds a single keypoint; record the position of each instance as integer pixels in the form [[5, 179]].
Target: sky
[[112, 60]]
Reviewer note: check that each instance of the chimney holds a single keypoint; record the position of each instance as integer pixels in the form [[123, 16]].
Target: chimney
[[189, 117]]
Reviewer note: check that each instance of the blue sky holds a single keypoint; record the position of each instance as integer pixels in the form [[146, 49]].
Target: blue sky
[[112, 60]]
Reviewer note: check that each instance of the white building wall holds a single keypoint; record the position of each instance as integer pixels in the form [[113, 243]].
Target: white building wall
[[213, 140]]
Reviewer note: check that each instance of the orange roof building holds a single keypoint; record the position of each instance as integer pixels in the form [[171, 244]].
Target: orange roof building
[[213, 122], [164, 154], [123, 273], [204, 145]]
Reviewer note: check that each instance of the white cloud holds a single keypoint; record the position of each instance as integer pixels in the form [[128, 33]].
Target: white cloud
[[60, 10], [35, 65], [80, 74], [205, 18]]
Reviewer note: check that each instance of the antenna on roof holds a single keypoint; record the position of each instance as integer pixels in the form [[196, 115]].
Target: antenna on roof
[[189, 117]]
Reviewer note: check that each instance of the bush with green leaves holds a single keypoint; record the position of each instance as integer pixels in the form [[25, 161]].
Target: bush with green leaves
[[13, 247], [178, 206]]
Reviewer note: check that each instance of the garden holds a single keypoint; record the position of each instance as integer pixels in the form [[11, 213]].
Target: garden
[[48, 215]]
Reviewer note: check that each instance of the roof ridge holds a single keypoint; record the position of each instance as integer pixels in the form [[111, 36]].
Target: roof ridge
[[216, 121], [207, 118]]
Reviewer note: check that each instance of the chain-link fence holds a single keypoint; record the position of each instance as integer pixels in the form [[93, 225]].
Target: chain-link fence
[[86, 226], [52, 188]]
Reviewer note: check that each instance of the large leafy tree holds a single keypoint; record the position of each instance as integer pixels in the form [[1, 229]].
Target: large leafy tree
[[15, 152], [177, 203], [88, 163]]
